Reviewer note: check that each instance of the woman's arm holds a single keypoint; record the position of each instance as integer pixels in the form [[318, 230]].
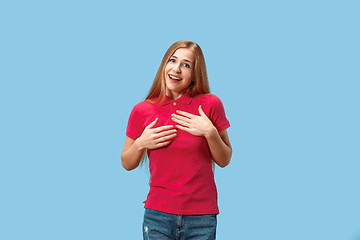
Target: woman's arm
[[219, 143], [151, 138], [131, 154], [220, 147]]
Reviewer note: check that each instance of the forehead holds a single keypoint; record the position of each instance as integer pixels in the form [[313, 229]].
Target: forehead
[[184, 53]]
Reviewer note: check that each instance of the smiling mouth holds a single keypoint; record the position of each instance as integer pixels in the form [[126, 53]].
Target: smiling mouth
[[172, 77]]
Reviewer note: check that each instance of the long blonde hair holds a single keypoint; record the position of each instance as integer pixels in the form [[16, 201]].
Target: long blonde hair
[[200, 84]]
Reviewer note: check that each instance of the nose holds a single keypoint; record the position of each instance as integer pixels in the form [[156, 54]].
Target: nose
[[176, 68]]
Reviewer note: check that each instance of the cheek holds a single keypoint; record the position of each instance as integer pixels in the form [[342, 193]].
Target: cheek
[[166, 69], [190, 76]]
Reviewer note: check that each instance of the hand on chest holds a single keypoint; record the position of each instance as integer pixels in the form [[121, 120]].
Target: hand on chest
[[184, 139]]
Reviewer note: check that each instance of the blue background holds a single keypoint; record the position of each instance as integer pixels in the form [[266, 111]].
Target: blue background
[[286, 71]]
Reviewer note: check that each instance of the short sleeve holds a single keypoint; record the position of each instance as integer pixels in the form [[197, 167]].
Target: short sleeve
[[135, 125], [217, 114]]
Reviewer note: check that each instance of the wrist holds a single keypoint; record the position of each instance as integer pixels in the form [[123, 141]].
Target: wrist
[[211, 132], [138, 144]]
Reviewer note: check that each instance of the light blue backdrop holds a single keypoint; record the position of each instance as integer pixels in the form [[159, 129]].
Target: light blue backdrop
[[286, 71]]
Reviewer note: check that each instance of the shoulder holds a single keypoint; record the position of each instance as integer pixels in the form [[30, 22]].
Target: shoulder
[[141, 108], [211, 103], [143, 105], [208, 98]]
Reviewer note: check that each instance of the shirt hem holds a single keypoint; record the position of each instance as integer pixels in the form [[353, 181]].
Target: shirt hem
[[182, 212], [223, 127]]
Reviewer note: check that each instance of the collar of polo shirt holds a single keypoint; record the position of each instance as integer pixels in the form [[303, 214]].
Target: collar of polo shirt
[[184, 99]]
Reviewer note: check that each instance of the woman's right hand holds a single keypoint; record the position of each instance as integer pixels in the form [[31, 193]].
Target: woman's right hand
[[152, 138]]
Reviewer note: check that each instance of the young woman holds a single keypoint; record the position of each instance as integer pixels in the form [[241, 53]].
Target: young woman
[[182, 128]]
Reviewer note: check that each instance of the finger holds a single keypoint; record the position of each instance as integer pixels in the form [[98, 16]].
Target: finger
[[165, 133], [186, 129], [165, 138], [152, 124], [181, 122], [186, 114], [163, 128], [178, 117], [163, 144], [201, 111]]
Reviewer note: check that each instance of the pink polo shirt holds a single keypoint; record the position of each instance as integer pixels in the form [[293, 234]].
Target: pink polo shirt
[[182, 180]]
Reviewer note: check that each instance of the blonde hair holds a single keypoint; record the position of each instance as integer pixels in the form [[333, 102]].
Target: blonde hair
[[200, 83]]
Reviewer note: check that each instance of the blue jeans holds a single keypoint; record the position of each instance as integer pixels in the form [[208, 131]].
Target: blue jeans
[[165, 226]]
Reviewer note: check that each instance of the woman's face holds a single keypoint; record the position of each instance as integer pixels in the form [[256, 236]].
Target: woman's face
[[179, 72]]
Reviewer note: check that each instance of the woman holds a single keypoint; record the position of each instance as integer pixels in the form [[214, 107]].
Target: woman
[[182, 128]]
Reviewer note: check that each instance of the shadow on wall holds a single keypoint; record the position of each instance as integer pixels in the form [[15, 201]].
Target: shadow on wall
[[357, 237]]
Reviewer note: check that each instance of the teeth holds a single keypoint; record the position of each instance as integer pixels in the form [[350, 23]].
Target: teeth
[[175, 78]]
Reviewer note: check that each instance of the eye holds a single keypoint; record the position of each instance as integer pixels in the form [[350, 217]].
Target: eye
[[186, 65], [172, 60]]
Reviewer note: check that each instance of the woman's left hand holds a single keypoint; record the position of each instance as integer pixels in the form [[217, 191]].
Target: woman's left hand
[[198, 125]]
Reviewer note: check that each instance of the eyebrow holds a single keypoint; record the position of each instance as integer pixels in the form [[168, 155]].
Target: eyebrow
[[186, 60]]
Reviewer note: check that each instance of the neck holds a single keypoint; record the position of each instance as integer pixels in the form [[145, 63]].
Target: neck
[[174, 96]]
